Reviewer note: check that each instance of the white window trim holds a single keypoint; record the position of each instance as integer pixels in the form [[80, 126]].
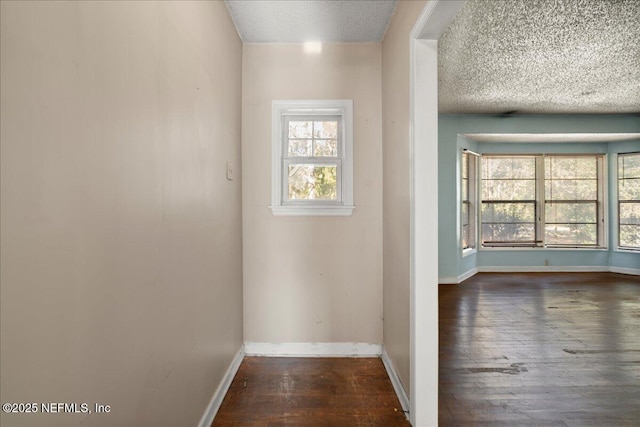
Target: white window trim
[[343, 207], [616, 212], [473, 193]]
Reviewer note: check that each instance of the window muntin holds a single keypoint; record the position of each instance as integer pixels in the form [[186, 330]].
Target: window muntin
[[629, 201], [468, 204], [535, 200]]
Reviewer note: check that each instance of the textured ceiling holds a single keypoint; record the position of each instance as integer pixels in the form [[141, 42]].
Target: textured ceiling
[[297, 21], [542, 56]]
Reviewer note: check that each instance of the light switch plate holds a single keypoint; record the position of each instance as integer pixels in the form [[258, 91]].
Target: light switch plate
[[229, 171]]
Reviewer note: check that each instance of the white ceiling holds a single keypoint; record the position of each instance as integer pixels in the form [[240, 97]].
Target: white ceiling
[[298, 21], [498, 56]]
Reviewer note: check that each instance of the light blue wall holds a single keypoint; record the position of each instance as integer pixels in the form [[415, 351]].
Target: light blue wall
[[452, 265], [449, 223]]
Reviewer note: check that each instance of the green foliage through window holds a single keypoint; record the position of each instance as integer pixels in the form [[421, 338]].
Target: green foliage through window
[[311, 182], [312, 144]]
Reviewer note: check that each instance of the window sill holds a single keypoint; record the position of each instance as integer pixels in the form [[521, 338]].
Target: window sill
[[469, 251], [539, 248], [627, 251], [312, 210]]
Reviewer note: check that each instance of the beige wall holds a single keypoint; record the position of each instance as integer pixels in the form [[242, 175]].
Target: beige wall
[[396, 145], [312, 279], [121, 237]]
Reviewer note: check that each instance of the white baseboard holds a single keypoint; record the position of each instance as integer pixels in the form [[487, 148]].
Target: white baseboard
[[543, 269], [308, 349], [537, 269], [395, 381], [623, 270], [221, 391], [465, 276], [456, 280]]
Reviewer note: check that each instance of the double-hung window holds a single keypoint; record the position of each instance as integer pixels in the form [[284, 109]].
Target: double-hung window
[[574, 212], [543, 201], [629, 201], [468, 203], [509, 206], [312, 158]]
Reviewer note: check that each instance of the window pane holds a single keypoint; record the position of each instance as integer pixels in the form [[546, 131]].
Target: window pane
[[629, 189], [571, 178], [571, 234], [630, 236], [313, 182], [509, 167], [465, 167], [465, 236], [300, 129], [571, 213], [465, 189], [465, 214], [325, 129], [630, 213], [561, 167], [300, 147], [629, 166], [567, 189], [508, 189], [508, 233], [508, 212], [326, 148]]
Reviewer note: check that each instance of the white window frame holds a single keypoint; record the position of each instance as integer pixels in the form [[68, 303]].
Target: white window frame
[[600, 203], [281, 112], [537, 221], [618, 246], [472, 194], [540, 206]]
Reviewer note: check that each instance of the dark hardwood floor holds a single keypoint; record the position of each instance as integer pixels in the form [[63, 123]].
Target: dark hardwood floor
[[540, 350], [349, 392], [537, 349]]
